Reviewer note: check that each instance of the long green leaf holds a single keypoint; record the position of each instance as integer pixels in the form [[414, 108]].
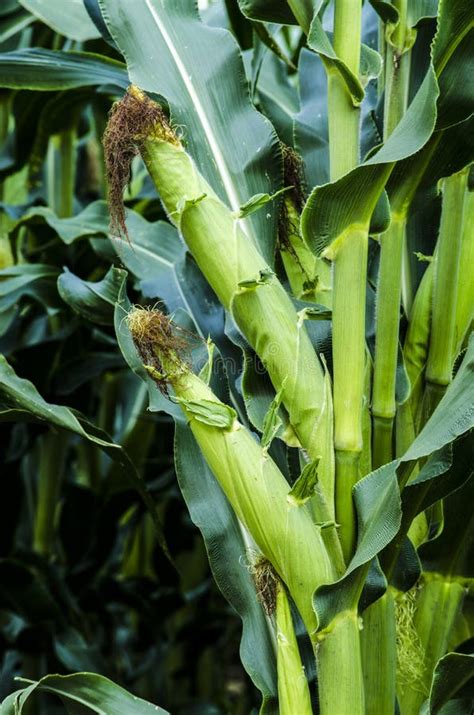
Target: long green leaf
[[100, 695], [50, 70]]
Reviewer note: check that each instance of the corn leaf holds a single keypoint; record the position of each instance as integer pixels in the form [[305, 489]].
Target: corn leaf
[[453, 679], [96, 693], [68, 17], [49, 70], [304, 487], [370, 61], [199, 72], [94, 301], [333, 209]]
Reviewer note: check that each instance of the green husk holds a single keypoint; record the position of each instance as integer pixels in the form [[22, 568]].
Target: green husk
[[293, 690], [252, 482]]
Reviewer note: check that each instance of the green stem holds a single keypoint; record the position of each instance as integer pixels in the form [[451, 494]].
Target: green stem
[[387, 337], [379, 656], [53, 449], [6, 256], [62, 172], [350, 270], [465, 302], [349, 277], [339, 665], [397, 76], [341, 686], [445, 292], [344, 117]]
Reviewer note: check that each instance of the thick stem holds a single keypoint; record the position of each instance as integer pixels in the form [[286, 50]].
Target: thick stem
[[349, 277], [339, 665], [350, 270], [341, 686], [387, 337], [53, 449], [344, 117], [62, 172], [397, 76], [445, 291], [465, 302], [379, 656]]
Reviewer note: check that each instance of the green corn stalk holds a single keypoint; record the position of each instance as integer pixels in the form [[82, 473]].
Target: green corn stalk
[[255, 487], [392, 247], [242, 281], [52, 452], [443, 338], [378, 639], [465, 291], [62, 172], [349, 277]]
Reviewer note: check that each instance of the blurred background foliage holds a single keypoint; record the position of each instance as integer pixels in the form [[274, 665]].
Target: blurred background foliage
[[103, 566]]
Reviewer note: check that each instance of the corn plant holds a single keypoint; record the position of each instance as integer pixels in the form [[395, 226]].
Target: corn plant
[[312, 337]]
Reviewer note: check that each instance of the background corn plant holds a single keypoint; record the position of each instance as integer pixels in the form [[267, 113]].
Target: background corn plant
[[339, 314]]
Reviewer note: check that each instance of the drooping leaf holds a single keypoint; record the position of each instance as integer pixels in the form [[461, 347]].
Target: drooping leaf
[[50, 70], [453, 678], [268, 11], [199, 71], [94, 301], [370, 61], [96, 693], [377, 496]]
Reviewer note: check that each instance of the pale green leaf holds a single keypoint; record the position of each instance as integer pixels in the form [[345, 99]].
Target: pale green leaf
[[215, 414], [99, 694], [305, 486]]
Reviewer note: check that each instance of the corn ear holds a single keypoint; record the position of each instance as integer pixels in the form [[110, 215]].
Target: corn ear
[[253, 484]]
